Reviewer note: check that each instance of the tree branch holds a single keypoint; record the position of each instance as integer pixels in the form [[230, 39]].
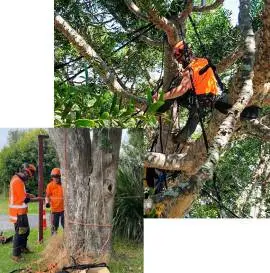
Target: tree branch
[[185, 13], [107, 74], [258, 128], [215, 5], [136, 10], [159, 21], [165, 25], [151, 42]]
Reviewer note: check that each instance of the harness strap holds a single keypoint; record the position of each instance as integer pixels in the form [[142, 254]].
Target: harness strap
[[199, 113]]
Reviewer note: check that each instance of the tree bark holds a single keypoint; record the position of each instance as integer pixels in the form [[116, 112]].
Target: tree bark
[[89, 166]]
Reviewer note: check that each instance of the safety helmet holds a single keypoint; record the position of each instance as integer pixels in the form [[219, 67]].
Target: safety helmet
[[29, 168], [179, 48], [55, 172]]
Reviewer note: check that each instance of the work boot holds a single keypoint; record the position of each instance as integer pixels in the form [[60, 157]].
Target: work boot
[[17, 259], [26, 250]]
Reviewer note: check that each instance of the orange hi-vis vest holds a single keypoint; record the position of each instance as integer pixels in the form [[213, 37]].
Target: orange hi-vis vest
[[17, 195], [205, 83], [54, 192]]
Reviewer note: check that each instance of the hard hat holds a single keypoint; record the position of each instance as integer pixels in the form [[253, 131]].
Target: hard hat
[[55, 172], [29, 168]]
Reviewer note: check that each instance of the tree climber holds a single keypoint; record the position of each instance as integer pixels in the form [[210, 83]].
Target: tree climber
[[55, 200], [198, 80], [18, 208]]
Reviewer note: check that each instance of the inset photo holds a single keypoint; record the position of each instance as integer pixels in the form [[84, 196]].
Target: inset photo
[[71, 200]]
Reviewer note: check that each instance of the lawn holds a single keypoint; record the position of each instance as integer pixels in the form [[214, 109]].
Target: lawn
[[127, 257], [32, 207]]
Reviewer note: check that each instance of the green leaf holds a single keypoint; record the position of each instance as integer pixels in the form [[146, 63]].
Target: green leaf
[[105, 115], [149, 96], [85, 123], [91, 102], [113, 103]]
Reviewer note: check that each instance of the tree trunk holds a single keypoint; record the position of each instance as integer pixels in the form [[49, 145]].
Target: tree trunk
[[89, 163]]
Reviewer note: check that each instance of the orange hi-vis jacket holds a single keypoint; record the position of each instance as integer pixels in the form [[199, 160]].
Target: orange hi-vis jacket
[[205, 83], [54, 192], [17, 195]]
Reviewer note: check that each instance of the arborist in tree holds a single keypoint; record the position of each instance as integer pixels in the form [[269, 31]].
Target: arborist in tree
[[55, 200], [197, 90], [18, 208]]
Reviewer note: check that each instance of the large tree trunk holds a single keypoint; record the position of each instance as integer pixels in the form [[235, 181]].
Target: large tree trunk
[[89, 166]]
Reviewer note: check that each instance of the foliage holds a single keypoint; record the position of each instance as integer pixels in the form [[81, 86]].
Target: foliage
[[217, 34], [256, 8], [128, 219], [234, 173], [25, 149]]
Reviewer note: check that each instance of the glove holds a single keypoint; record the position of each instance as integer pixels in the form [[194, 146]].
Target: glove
[[48, 205], [26, 200]]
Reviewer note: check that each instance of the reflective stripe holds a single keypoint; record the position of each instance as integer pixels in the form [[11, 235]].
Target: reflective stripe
[[13, 217], [11, 192], [23, 206]]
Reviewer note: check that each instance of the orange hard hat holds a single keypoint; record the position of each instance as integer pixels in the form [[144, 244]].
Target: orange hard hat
[[55, 172], [29, 168], [178, 48]]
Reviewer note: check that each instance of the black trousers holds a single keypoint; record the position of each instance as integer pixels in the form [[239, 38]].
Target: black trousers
[[22, 231], [56, 218]]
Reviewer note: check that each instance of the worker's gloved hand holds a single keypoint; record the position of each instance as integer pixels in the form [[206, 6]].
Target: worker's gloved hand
[[26, 200], [48, 205]]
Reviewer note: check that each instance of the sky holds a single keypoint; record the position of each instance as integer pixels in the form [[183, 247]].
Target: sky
[[232, 5], [3, 137]]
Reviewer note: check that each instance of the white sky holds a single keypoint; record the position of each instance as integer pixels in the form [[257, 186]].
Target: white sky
[[3, 137], [233, 6]]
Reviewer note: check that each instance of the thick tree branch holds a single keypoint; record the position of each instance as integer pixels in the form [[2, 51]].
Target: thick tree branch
[[108, 74], [215, 5], [165, 25], [136, 10], [159, 21]]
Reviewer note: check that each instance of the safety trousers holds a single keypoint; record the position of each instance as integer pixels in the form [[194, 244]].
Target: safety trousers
[[56, 217], [22, 231]]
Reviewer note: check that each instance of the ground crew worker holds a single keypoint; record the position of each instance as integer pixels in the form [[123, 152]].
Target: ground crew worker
[[198, 78], [55, 200], [18, 208]]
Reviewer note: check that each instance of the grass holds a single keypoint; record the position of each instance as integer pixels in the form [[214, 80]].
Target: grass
[[127, 257], [32, 207], [7, 265]]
